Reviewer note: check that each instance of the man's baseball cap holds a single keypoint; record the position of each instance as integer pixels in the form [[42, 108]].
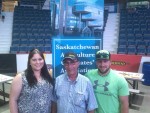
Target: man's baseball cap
[[70, 55], [103, 55]]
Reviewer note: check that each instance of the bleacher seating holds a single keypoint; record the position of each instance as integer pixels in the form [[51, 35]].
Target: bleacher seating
[[141, 50], [32, 2], [31, 29], [14, 49], [131, 43], [138, 37], [23, 49], [148, 51], [122, 42], [141, 44], [132, 50], [122, 50], [135, 31]]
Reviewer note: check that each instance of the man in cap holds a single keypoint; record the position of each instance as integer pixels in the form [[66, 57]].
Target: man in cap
[[111, 90], [74, 92]]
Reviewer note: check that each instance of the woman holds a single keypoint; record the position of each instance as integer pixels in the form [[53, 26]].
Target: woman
[[32, 90]]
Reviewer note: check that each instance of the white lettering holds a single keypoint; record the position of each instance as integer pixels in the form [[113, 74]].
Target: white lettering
[[76, 47]]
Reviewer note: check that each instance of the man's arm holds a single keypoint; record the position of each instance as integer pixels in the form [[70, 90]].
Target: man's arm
[[92, 103], [15, 90], [124, 104], [54, 107], [91, 111]]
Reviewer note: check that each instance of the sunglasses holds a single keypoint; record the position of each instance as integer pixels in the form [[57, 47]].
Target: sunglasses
[[103, 55]]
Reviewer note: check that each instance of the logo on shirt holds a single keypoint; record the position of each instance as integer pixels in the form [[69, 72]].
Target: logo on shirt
[[105, 86]]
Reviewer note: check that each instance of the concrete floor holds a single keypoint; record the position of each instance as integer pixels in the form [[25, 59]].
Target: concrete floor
[[141, 102]]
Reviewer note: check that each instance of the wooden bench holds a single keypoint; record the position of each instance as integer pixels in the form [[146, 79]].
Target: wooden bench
[[132, 92]]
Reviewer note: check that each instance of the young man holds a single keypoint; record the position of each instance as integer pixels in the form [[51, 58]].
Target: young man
[[111, 90], [74, 92]]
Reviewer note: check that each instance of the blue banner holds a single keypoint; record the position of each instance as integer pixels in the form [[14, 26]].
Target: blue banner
[[78, 28], [84, 47]]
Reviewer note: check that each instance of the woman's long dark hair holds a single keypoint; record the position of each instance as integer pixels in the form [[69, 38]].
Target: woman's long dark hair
[[44, 71]]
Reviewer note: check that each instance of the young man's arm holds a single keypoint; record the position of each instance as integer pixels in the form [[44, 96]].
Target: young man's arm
[[124, 104]]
